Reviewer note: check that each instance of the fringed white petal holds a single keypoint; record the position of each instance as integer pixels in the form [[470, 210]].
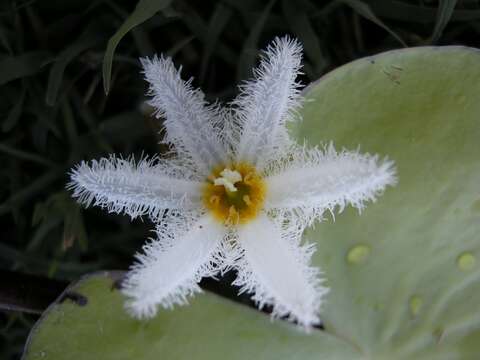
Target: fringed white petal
[[193, 127], [146, 187], [267, 102], [170, 267], [311, 181], [275, 267]]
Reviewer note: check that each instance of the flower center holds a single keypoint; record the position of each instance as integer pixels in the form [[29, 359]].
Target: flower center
[[234, 194]]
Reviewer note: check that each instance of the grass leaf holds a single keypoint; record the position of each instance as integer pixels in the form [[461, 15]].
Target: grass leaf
[[15, 67], [217, 23], [398, 10], [249, 50], [444, 14], [63, 59], [144, 10], [298, 19], [364, 10], [14, 114]]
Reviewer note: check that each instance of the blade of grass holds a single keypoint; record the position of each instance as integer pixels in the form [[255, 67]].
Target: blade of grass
[[28, 293], [364, 10], [36, 186], [444, 14], [217, 23], [41, 232], [298, 20], [14, 113], [25, 155], [250, 46], [15, 67], [89, 118], [45, 115], [91, 89], [63, 59], [179, 46], [5, 41], [199, 28], [9, 254], [69, 121], [144, 10], [399, 10]]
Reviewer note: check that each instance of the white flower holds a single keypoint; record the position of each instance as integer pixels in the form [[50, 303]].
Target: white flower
[[237, 192]]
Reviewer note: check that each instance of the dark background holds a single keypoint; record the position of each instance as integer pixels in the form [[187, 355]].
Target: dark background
[[54, 111]]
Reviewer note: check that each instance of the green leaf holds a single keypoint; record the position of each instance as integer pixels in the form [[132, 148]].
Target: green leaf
[[144, 10], [14, 113], [60, 207], [445, 12], [403, 11], [63, 59], [364, 10], [15, 67], [25, 155], [39, 184], [216, 25], [197, 26], [250, 48], [92, 324], [405, 274], [296, 15]]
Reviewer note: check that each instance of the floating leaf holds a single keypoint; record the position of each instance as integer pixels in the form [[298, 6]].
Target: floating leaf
[[89, 322], [404, 280]]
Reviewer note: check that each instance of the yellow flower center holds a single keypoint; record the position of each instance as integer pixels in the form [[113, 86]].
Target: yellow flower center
[[234, 194]]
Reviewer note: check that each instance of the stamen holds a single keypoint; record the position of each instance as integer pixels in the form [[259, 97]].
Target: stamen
[[233, 216], [246, 200], [248, 178], [228, 178], [214, 199]]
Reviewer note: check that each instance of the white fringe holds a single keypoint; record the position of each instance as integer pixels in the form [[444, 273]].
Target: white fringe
[[192, 126], [311, 181], [267, 102], [169, 268], [147, 187]]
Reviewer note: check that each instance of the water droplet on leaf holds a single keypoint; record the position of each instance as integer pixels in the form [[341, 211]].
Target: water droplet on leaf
[[415, 304], [466, 261], [358, 254]]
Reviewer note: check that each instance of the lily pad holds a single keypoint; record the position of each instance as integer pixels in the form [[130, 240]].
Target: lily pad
[[89, 322], [404, 275]]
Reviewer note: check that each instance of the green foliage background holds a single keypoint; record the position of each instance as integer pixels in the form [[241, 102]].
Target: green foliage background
[[54, 111]]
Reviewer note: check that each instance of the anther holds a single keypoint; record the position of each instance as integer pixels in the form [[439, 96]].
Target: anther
[[233, 216], [214, 199], [248, 178], [246, 200], [228, 178]]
